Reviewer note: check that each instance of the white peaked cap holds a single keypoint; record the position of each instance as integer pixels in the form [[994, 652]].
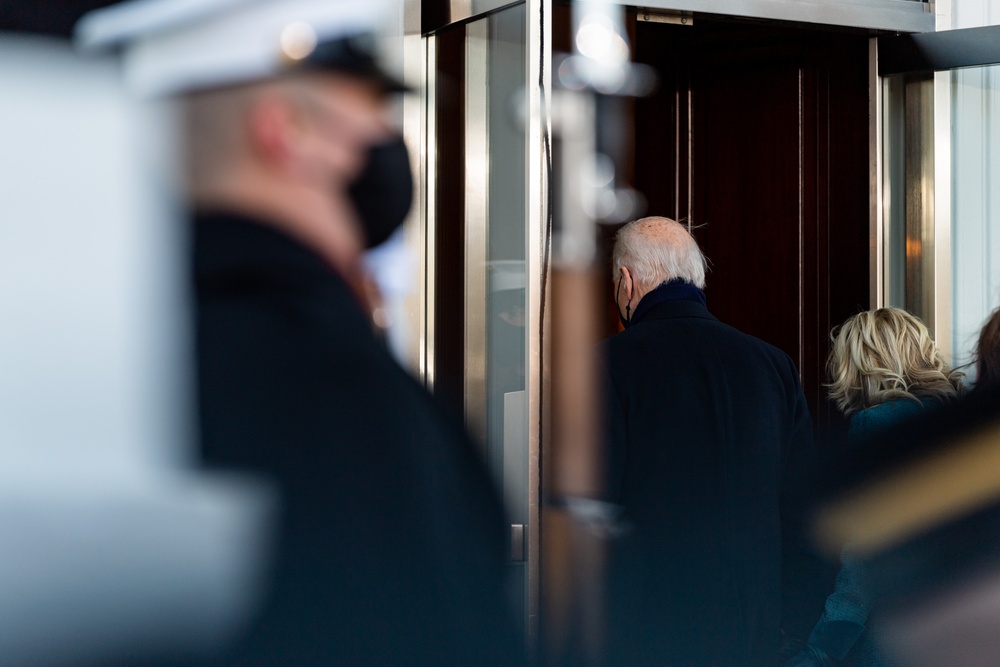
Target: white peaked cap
[[172, 46]]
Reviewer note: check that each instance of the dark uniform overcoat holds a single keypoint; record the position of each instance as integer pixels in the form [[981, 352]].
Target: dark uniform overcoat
[[391, 546]]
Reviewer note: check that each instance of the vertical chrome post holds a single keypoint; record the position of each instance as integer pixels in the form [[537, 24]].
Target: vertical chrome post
[[942, 213], [477, 192], [876, 245], [418, 131], [428, 166], [538, 77]]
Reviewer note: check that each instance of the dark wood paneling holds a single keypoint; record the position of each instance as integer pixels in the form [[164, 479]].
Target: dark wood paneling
[[747, 197], [758, 135], [562, 27]]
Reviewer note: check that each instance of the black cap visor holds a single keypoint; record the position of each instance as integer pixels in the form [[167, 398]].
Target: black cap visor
[[355, 56]]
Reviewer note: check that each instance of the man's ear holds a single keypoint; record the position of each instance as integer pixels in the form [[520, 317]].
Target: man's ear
[[273, 131], [626, 277]]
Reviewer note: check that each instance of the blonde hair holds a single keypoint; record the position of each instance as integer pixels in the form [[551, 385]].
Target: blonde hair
[[885, 354]]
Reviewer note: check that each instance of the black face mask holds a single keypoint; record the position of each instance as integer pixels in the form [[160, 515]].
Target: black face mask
[[383, 193]]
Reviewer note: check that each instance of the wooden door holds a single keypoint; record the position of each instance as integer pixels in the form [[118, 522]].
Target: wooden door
[[758, 137]]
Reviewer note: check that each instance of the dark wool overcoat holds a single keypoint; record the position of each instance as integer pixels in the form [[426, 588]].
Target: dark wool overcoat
[[707, 425], [391, 548]]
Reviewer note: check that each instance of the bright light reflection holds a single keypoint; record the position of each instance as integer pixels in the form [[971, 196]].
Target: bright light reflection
[[476, 170], [298, 40], [598, 39], [601, 171]]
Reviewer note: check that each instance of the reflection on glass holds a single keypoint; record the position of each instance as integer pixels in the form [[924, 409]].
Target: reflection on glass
[[975, 281], [909, 194], [505, 269]]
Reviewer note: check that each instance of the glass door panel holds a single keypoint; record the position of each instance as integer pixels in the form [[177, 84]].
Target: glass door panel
[[495, 240], [480, 221], [941, 201]]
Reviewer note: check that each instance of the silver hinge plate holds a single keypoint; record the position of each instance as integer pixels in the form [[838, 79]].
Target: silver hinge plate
[[647, 15]]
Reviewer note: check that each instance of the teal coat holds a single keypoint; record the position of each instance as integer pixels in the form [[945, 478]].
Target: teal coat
[[876, 418]]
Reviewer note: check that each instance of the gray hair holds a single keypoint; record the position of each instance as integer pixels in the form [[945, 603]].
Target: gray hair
[[656, 250]]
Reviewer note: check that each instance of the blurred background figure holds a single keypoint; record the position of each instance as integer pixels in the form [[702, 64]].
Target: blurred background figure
[[111, 548], [987, 356], [391, 548], [883, 368]]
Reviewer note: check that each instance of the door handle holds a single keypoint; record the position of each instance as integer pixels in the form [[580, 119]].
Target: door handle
[[517, 542]]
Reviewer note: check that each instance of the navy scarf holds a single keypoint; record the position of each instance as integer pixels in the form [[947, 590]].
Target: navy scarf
[[676, 289]]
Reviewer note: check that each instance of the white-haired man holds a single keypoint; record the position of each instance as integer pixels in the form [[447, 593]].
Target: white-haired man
[[392, 546], [705, 425]]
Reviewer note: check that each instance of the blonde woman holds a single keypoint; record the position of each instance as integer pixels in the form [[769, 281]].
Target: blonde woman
[[884, 367]]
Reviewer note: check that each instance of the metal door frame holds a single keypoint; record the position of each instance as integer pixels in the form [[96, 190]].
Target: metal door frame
[[901, 15], [421, 19], [895, 15]]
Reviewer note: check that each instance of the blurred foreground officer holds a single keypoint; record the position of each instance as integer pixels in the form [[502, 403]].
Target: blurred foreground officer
[[884, 368], [706, 426], [920, 504], [392, 547]]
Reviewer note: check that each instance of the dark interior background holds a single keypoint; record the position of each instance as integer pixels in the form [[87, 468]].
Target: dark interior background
[[46, 17], [758, 136]]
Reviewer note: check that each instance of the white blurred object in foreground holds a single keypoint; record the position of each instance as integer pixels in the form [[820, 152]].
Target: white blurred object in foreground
[[109, 571], [107, 544]]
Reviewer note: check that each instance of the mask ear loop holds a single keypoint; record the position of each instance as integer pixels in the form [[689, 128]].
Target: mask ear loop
[[628, 306]]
